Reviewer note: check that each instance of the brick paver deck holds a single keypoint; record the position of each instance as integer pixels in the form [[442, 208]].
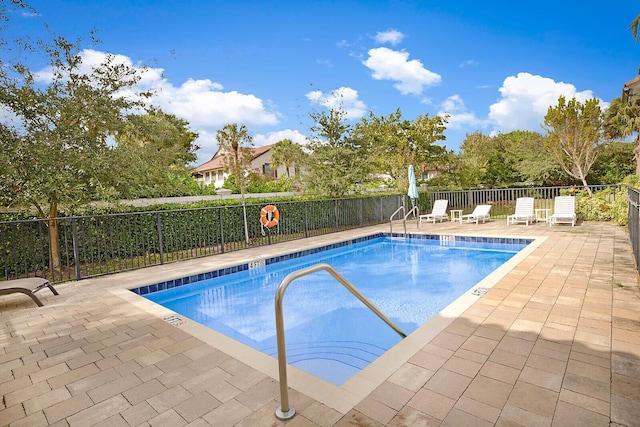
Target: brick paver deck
[[556, 341]]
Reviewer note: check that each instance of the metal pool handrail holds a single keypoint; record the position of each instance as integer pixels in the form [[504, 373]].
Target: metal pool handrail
[[401, 208], [416, 214], [285, 411]]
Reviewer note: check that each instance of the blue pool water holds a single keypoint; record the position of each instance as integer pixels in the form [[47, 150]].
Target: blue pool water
[[330, 333]]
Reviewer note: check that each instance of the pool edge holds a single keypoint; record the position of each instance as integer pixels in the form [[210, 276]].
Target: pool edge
[[341, 398]]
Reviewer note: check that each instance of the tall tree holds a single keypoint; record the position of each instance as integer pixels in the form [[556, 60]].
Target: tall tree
[[337, 162], [287, 153], [395, 143], [166, 137], [614, 163], [574, 135], [158, 148], [470, 165], [235, 145], [621, 120], [513, 158], [60, 126], [532, 164], [634, 27]]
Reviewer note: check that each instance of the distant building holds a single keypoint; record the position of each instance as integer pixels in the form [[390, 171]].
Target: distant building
[[631, 90], [429, 172], [212, 172]]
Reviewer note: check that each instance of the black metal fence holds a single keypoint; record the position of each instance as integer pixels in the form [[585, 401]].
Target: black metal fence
[[102, 244], [503, 200]]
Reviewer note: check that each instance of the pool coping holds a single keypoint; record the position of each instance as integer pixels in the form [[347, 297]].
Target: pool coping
[[341, 398]]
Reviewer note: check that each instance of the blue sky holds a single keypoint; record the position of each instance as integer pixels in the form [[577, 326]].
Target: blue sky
[[493, 66]]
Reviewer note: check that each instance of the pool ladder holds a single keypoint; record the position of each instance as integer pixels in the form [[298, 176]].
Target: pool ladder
[[416, 214], [285, 411]]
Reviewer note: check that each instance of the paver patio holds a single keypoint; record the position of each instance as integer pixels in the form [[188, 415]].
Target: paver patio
[[556, 341]]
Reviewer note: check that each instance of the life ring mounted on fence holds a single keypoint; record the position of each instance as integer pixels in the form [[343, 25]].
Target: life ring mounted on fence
[[269, 216]]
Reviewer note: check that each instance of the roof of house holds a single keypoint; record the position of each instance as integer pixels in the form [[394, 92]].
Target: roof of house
[[217, 161], [631, 89]]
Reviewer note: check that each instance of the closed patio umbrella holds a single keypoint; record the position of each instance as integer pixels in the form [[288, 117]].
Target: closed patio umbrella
[[413, 190]]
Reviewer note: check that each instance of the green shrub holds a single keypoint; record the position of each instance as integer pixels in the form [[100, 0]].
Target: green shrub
[[632, 181], [257, 183], [605, 205]]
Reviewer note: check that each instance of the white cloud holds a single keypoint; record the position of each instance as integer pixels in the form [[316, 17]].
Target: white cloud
[[453, 104], [469, 63], [525, 99], [273, 137], [203, 103], [459, 116], [390, 36], [344, 98], [410, 76], [208, 146]]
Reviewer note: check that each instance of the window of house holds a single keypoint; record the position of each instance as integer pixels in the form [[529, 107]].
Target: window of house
[[267, 171]]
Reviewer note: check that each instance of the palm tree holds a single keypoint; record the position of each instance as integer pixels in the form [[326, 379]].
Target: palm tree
[[234, 143], [287, 153], [634, 27], [622, 119]]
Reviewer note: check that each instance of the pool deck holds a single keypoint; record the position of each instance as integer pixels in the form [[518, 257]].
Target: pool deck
[[555, 340]]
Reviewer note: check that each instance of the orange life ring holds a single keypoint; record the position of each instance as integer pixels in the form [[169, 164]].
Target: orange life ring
[[269, 216]]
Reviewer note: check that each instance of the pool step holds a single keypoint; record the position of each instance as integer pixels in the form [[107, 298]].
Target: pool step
[[352, 353]]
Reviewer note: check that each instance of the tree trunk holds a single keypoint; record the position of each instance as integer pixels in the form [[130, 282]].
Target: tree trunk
[[246, 227], [586, 186], [54, 250], [244, 211]]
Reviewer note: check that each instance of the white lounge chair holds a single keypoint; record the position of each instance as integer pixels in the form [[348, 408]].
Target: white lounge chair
[[439, 212], [28, 286], [564, 211], [481, 212], [524, 211]]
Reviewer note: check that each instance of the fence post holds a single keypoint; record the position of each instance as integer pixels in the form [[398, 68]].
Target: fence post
[[221, 230], [335, 214], [361, 214], [306, 219], [160, 244], [76, 249]]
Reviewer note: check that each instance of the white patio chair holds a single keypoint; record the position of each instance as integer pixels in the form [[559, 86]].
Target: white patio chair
[[439, 212], [524, 211], [564, 211], [481, 212]]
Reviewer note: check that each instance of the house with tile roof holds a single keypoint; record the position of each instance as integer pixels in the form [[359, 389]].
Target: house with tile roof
[[631, 90], [212, 172]]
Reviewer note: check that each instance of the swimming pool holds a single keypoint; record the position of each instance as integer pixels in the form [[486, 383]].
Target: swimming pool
[[329, 332]]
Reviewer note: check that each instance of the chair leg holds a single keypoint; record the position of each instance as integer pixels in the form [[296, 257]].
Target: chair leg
[[33, 297]]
